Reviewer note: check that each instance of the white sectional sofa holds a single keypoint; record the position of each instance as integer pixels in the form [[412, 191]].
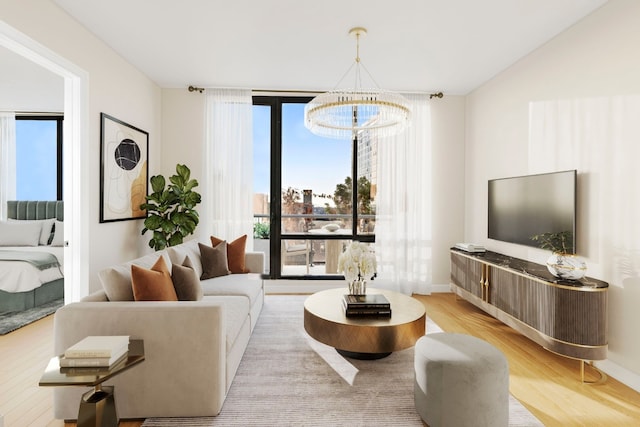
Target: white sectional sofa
[[192, 348]]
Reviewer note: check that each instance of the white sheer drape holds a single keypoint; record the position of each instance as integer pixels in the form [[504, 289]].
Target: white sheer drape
[[228, 164], [7, 161], [403, 214]]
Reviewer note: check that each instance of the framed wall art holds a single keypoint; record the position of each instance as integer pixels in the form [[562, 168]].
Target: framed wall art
[[124, 152]]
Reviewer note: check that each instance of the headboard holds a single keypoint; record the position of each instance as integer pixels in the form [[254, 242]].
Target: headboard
[[35, 209]]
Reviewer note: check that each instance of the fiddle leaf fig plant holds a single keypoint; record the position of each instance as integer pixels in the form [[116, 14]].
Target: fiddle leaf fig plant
[[170, 208]]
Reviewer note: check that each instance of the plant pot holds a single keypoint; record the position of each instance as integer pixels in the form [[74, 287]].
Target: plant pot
[[567, 266]]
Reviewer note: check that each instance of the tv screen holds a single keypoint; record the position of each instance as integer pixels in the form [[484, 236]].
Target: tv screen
[[526, 206]]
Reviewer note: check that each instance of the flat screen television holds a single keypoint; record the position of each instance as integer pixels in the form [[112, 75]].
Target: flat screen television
[[525, 206]]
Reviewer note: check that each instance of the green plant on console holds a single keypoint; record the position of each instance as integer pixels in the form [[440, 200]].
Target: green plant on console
[[559, 242], [170, 208]]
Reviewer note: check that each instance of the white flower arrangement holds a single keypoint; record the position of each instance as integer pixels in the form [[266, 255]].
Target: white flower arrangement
[[357, 262]]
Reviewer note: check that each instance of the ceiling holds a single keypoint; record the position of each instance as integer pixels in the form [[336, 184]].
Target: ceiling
[[452, 46]]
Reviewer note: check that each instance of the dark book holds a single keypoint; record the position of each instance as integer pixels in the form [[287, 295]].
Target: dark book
[[378, 301], [368, 313]]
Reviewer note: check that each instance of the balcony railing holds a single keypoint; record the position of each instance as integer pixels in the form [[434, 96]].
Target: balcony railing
[[311, 243]]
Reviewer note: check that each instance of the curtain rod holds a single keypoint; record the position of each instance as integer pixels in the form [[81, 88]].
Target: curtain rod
[[201, 89], [34, 113]]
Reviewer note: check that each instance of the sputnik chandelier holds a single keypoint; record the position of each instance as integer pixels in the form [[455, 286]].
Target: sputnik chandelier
[[345, 113]]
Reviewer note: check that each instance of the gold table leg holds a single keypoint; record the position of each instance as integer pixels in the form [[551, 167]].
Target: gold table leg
[[98, 408], [603, 376]]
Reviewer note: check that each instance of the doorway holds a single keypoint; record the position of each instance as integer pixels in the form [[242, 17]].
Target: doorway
[[76, 224]]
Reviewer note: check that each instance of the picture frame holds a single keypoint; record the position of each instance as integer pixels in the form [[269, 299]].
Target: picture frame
[[124, 170]]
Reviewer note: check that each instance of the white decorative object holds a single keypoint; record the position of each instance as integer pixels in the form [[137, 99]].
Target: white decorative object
[[358, 264], [566, 266], [331, 227]]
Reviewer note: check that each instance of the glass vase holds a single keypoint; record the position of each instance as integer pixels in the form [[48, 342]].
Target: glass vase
[[358, 287]]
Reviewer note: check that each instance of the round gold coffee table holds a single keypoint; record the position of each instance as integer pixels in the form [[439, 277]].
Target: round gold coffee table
[[364, 337]]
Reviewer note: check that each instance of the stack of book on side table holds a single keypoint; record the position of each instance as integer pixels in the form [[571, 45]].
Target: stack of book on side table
[[96, 352], [369, 305]]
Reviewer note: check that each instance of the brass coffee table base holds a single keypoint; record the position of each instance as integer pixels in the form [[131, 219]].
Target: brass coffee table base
[[362, 356]]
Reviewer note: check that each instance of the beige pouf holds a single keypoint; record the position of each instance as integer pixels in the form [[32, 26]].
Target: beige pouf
[[460, 381]]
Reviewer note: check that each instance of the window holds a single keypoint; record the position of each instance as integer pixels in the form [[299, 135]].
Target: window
[[39, 157], [308, 209]]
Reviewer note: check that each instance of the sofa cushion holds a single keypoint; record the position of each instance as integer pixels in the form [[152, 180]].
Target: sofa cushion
[[186, 282], [214, 261], [190, 249], [153, 284], [248, 285], [236, 313], [116, 280], [235, 253]]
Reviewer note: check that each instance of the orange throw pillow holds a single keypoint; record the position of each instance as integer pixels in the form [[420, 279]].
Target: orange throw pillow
[[154, 284], [235, 253]]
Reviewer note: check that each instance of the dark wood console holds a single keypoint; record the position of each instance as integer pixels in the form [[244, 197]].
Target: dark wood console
[[568, 318]]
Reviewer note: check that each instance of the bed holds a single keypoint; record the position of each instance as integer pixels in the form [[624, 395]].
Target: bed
[[31, 255]]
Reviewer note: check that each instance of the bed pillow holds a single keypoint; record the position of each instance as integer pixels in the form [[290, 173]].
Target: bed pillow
[[20, 233], [235, 253], [153, 284], [58, 236], [214, 261], [46, 233], [186, 281]]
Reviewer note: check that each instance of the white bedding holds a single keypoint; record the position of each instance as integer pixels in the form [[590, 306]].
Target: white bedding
[[19, 276]]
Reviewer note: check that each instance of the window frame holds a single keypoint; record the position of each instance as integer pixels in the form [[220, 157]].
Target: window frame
[[275, 198], [58, 118]]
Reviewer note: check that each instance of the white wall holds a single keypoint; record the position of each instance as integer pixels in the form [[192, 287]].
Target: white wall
[[593, 68], [183, 132], [116, 88], [447, 115], [27, 87]]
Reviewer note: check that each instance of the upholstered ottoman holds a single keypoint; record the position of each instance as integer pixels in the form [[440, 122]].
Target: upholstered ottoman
[[460, 381]]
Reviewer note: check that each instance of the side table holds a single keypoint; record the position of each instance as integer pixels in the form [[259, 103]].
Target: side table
[[97, 406]]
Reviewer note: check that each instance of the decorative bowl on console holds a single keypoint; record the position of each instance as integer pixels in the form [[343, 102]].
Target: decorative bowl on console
[[567, 266], [562, 263]]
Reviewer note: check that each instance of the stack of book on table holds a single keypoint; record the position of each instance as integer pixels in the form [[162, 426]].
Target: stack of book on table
[[369, 305], [96, 352]]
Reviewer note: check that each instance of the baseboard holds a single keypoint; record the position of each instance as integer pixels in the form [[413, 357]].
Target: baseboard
[[625, 376], [283, 286], [434, 289]]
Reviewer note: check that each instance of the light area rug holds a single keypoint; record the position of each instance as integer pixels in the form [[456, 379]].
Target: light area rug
[[286, 378], [14, 320]]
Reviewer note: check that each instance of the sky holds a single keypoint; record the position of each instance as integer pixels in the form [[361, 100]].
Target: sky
[[308, 161], [36, 175]]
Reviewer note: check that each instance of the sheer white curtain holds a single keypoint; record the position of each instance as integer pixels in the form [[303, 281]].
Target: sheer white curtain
[[7, 161], [403, 205], [228, 164]]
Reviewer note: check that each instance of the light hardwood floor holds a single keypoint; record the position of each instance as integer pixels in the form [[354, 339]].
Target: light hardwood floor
[[547, 384]]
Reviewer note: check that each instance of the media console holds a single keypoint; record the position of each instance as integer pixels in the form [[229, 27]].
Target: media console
[[568, 318]]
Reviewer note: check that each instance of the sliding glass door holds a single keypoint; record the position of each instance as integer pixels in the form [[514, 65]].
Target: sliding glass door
[[305, 193]]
